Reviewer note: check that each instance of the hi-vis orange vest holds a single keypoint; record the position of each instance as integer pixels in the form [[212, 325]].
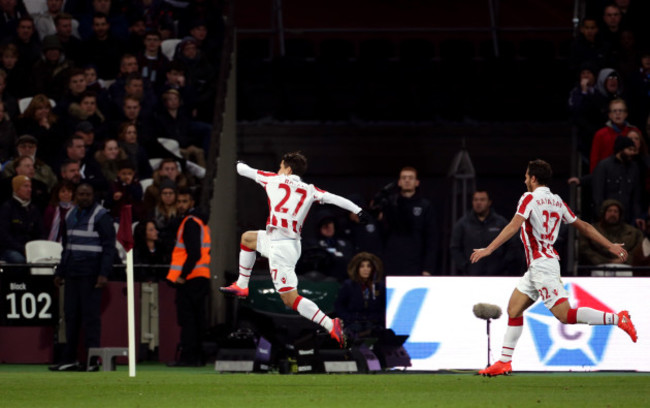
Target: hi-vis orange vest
[[179, 255]]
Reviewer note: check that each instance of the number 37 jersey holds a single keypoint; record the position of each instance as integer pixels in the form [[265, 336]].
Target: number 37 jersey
[[290, 200], [543, 211]]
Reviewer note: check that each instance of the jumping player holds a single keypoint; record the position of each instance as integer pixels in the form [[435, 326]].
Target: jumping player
[[538, 216], [289, 202]]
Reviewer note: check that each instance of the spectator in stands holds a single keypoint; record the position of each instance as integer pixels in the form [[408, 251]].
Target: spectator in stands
[[70, 171], [55, 212], [119, 28], [151, 60], [200, 74], [165, 215], [190, 273], [409, 225], [128, 65], [50, 74], [86, 130], [617, 177], [26, 145], [64, 24], [198, 29], [588, 47], [147, 250], [20, 221], [87, 111], [90, 170], [329, 251], [125, 189], [128, 140], [603, 143], [176, 79], [45, 24], [134, 88], [609, 86], [640, 90], [137, 30], [168, 169], [39, 121], [7, 133], [172, 121], [477, 229], [9, 103], [611, 28], [86, 262], [612, 226], [11, 12], [641, 254], [102, 49], [29, 50], [585, 109], [109, 157], [24, 166], [75, 88], [16, 74], [361, 301], [364, 237], [93, 83], [642, 160]]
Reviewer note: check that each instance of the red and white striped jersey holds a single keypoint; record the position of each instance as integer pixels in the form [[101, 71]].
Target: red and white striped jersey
[[290, 200], [543, 212]]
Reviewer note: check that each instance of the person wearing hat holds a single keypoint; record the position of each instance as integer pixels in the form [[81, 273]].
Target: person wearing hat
[[20, 221], [26, 145], [50, 73], [617, 177]]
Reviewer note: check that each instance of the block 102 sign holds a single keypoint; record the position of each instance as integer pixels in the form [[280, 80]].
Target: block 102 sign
[[27, 300]]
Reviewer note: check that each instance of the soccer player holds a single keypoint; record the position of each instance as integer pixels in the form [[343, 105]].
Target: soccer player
[[289, 202], [538, 216]]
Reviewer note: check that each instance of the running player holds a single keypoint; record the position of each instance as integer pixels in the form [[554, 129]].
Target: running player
[[289, 202], [538, 216]]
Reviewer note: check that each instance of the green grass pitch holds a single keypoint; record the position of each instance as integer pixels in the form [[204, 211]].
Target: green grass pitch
[[158, 386]]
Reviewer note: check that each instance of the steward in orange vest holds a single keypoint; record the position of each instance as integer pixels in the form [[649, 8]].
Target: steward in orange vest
[[190, 271]]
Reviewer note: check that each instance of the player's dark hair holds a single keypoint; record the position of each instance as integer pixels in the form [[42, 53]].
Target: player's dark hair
[[541, 170], [297, 161]]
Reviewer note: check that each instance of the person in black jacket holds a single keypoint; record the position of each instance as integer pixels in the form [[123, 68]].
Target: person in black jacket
[[361, 302], [86, 261], [477, 229], [409, 225], [20, 222]]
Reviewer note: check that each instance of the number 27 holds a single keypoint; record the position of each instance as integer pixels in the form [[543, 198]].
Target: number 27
[[280, 208]]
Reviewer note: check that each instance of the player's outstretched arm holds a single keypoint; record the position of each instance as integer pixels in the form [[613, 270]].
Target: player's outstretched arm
[[506, 233], [329, 198], [245, 170], [592, 233]]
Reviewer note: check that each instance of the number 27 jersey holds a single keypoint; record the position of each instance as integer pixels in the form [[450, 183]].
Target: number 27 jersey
[[543, 211], [290, 200]]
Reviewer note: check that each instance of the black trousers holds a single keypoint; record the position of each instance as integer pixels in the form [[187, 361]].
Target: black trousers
[[82, 308], [191, 309]]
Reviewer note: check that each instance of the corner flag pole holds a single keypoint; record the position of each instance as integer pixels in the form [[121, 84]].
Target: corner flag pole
[[130, 300], [125, 237]]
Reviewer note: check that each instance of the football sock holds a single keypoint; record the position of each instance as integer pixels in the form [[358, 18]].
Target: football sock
[[310, 310], [247, 258], [591, 316], [515, 328]]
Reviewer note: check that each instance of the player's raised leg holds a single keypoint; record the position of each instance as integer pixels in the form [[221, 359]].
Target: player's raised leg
[[310, 310], [518, 303], [586, 315], [247, 257]]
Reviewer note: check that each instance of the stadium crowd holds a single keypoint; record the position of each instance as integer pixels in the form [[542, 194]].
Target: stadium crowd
[[118, 94]]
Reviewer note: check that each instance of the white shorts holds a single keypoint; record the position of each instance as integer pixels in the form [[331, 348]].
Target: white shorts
[[283, 255], [542, 279]]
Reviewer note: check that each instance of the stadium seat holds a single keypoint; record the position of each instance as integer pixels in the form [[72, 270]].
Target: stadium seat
[[168, 47], [146, 183], [155, 163], [171, 145], [43, 251]]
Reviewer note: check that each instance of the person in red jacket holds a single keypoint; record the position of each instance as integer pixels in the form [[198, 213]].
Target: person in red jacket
[[603, 144]]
